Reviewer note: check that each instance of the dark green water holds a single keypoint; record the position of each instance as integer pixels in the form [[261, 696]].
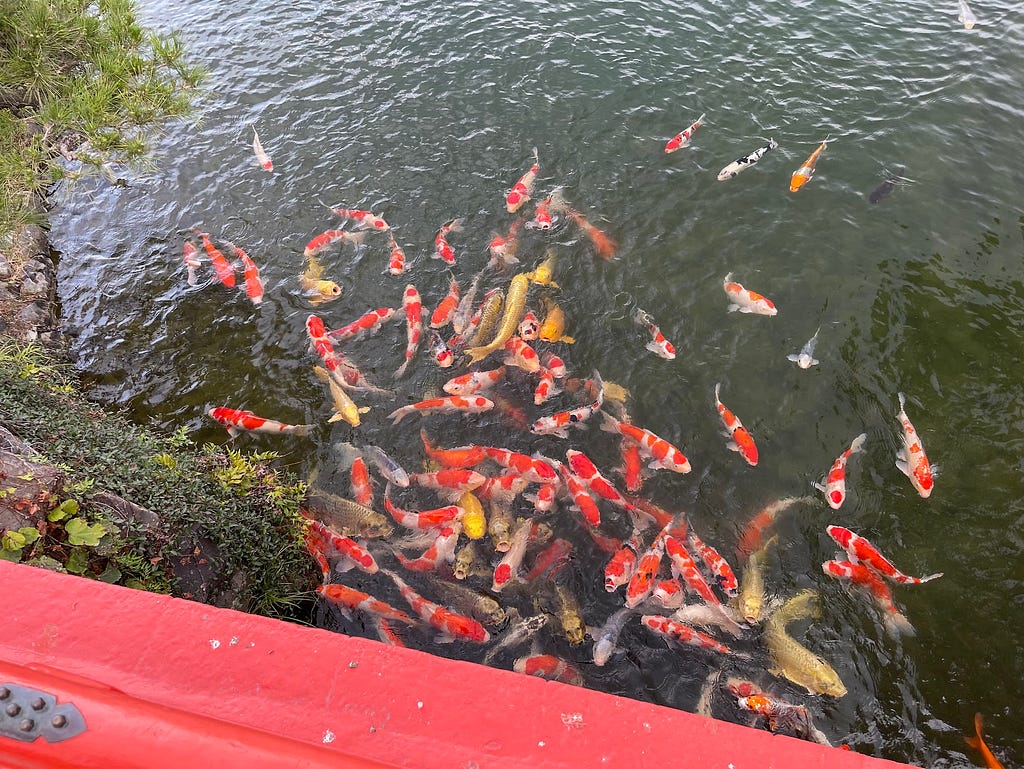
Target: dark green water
[[424, 111]]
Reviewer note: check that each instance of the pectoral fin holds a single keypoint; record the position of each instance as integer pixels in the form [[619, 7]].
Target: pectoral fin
[[903, 467]]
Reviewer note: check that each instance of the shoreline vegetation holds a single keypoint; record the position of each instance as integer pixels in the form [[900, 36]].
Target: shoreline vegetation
[[83, 89]]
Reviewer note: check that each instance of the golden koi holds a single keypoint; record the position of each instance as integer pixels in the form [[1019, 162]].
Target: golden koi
[[792, 660], [515, 306], [344, 407], [552, 328]]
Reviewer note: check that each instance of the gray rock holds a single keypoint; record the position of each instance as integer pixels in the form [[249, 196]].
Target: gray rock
[[36, 314], [5, 268], [35, 284]]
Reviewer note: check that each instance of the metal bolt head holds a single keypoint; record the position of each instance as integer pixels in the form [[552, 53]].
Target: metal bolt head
[[13, 709], [4, 692], [27, 725], [38, 703], [58, 721]]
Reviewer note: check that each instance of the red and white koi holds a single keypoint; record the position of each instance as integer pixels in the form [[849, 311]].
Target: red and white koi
[[503, 248], [442, 250], [753, 533], [442, 550], [362, 487], [542, 216], [744, 300], [341, 369], [549, 667], [422, 519], [474, 404], [911, 459], [348, 600], [191, 261], [603, 245], [414, 325], [550, 560], [253, 285], [740, 440], [685, 569], [558, 424], [835, 482], [641, 583], [387, 634], [367, 324], [445, 310], [529, 327], [661, 453], [329, 542], [261, 155], [508, 567], [449, 480], [474, 382], [632, 466], [523, 188], [452, 626], [327, 237], [587, 471], [860, 550], [659, 345], [237, 420], [622, 564], [534, 469], [544, 499], [521, 355], [682, 139], [582, 501], [363, 218], [396, 259], [859, 574], [725, 577], [555, 365], [679, 633], [440, 351], [668, 593], [225, 273]]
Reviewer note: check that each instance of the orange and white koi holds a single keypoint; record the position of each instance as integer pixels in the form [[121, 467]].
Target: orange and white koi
[[544, 499], [682, 139], [859, 574], [803, 174], [362, 487], [558, 424], [555, 365], [603, 245], [632, 466], [549, 667], [387, 634], [523, 188], [685, 569], [587, 471], [366, 324], [661, 453], [422, 519], [518, 353], [225, 273], [582, 501], [440, 351], [327, 237], [503, 248], [911, 459], [659, 345], [451, 480], [534, 469], [253, 285], [622, 564], [474, 404], [261, 155], [329, 542], [753, 533], [529, 327], [644, 512], [442, 250], [441, 550], [414, 325], [861, 551], [508, 567], [502, 490], [474, 382], [542, 215], [835, 482], [725, 577], [191, 261], [452, 626], [348, 600], [978, 742], [457, 458], [396, 259], [546, 387], [362, 218], [679, 633], [743, 300], [641, 583], [237, 420], [740, 440], [446, 308]]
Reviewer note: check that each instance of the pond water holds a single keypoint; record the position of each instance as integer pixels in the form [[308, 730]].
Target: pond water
[[423, 112]]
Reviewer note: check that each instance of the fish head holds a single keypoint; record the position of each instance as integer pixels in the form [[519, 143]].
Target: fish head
[[752, 608], [574, 627], [325, 290], [826, 680]]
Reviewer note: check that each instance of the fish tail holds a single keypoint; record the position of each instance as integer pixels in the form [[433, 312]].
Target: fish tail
[[401, 369], [567, 339], [536, 157], [718, 386], [701, 118], [858, 443], [477, 354], [930, 577], [303, 430], [903, 401], [897, 624], [976, 742], [610, 424]]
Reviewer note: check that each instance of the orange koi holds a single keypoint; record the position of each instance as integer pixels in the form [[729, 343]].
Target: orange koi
[[521, 355], [522, 189], [455, 480], [362, 487], [442, 550], [684, 568], [457, 458], [583, 503], [584, 469], [445, 310], [349, 600], [661, 453], [191, 262], [740, 439], [725, 577], [329, 542], [859, 574], [471, 405], [422, 519], [641, 583], [452, 626], [978, 743], [835, 482], [558, 424], [236, 420], [221, 266], [803, 174], [682, 139], [253, 284], [508, 567], [367, 324], [503, 248], [619, 570], [603, 245], [327, 237]]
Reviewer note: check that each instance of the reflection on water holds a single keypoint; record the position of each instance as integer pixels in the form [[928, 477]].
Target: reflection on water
[[424, 112]]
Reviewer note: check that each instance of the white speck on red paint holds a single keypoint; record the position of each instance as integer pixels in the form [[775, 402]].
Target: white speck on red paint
[[233, 641], [573, 720], [541, 744], [214, 643], [328, 736], [419, 705]]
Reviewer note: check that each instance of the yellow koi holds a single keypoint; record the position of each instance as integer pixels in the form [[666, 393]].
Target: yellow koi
[[474, 522], [552, 329], [515, 307], [544, 271], [791, 659], [344, 407]]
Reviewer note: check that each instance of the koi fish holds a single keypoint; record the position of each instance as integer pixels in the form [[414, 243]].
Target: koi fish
[[502, 489], [414, 325], [685, 569], [587, 471], [544, 272], [783, 714], [835, 482], [978, 743], [474, 382], [558, 424], [966, 17], [522, 189], [549, 667], [659, 345], [349, 516], [753, 532], [480, 606], [682, 139], [911, 459], [752, 598], [441, 550], [487, 316], [710, 615], [320, 242], [236, 420], [519, 354], [515, 306], [474, 522], [745, 162], [362, 218], [740, 439], [550, 560], [552, 329], [725, 578], [348, 600], [367, 324], [606, 638], [861, 551], [668, 593], [422, 519], [859, 574], [503, 248], [546, 387], [603, 245], [452, 626], [805, 358], [221, 266], [471, 405], [508, 566], [679, 633], [261, 156], [445, 309], [455, 480], [396, 259], [529, 327], [464, 311], [386, 466], [641, 583], [253, 285], [342, 370], [564, 605], [888, 184], [353, 554], [662, 454], [582, 502], [442, 250], [542, 215], [544, 499], [362, 486], [747, 301], [191, 262], [534, 469], [440, 351], [344, 407], [632, 466], [465, 558], [791, 659], [313, 285], [803, 174]]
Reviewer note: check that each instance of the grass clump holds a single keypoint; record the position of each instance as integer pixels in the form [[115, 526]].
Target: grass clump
[[233, 516], [82, 88]]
